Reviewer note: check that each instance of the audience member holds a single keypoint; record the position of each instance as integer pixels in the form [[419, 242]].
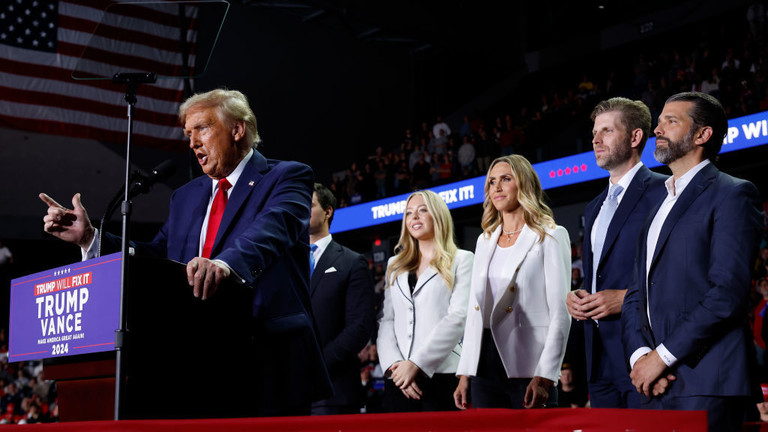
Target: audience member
[[758, 317], [466, 157], [6, 257], [372, 380], [568, 393], [441, 128]]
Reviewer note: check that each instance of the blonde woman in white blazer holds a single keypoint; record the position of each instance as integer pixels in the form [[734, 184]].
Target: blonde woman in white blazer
[[517, 320], [424, 309]]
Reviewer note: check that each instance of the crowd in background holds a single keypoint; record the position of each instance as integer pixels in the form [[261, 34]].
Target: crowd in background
[[549, 116], [25, 395]]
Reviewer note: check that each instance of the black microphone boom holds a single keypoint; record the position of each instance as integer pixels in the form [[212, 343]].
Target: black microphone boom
[[159, 174], [141, 184]]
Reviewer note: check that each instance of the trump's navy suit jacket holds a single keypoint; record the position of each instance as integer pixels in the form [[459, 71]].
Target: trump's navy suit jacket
[[264, 238], [614, 268], [341, 291], [698, 286]]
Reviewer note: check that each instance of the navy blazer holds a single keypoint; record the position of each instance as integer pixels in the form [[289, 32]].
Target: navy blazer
[[699, 286], [341, 291], [264, 238], [615, 266]]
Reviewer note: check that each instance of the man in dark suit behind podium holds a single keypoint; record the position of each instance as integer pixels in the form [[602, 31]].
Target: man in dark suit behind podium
[[686, 333], [341, 290], [246, 221], [621, 129]]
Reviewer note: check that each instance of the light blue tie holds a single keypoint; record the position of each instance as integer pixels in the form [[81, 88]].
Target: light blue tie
[[312, 249], [603, 221]]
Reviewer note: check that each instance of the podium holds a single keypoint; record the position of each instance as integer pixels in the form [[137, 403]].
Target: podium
[[184, 357]]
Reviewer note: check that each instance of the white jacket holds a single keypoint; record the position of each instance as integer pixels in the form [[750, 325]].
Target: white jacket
[[425, 327], [529, 320]]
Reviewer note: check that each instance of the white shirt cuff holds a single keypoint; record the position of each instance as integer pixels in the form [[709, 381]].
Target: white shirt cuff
[[666, 356], [232, 273], [637, 354], [91, 251]]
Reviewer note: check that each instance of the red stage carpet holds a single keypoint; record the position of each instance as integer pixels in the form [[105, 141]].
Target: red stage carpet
[[563, 419]]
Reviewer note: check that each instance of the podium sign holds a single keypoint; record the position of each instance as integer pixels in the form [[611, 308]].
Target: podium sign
[[64, 311]]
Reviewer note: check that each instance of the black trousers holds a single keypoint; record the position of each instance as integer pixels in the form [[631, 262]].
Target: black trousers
[[491, 388]]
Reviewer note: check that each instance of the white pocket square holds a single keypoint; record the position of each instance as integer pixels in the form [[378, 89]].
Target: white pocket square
[[330, 270]]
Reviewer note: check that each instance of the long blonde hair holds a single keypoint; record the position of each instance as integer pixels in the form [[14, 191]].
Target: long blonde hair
[[407, 256], [536, 214]]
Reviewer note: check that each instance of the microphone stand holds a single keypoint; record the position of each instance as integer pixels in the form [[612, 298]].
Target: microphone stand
[[131, 80], [117, 199]]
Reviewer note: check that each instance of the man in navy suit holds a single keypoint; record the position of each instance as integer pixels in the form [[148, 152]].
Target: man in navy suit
[[621, 129], [246, 221], [341, 290], [685, 317]]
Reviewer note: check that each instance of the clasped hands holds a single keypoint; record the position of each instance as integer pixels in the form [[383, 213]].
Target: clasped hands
[[74, 226], [404, 375], [583, 305], [648, 375]]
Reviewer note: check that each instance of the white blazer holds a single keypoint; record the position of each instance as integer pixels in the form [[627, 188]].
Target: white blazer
[[425, 327], [529, 320]]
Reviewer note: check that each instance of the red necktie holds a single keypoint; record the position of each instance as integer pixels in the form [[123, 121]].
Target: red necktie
[[214, 219]]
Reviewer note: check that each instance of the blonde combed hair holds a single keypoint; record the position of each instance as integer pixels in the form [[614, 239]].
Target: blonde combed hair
[[407, 254], [232, 107], [537, 215]]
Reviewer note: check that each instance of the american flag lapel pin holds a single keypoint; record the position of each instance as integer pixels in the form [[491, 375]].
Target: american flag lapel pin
[[250, 183]]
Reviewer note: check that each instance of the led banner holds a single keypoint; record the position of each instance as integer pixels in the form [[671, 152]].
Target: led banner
[[67, 310], [743, 132]]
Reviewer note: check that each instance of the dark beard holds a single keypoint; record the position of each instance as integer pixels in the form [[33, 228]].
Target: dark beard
[[674, 150]]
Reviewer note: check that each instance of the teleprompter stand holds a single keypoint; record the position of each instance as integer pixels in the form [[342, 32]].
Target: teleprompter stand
[[131, 81], [109, 57]]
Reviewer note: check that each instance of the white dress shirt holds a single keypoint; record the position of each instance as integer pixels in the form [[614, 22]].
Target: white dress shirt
[[322, 245]]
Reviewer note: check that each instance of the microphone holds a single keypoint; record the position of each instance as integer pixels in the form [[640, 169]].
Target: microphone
[[140, 184], [143, 184]]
